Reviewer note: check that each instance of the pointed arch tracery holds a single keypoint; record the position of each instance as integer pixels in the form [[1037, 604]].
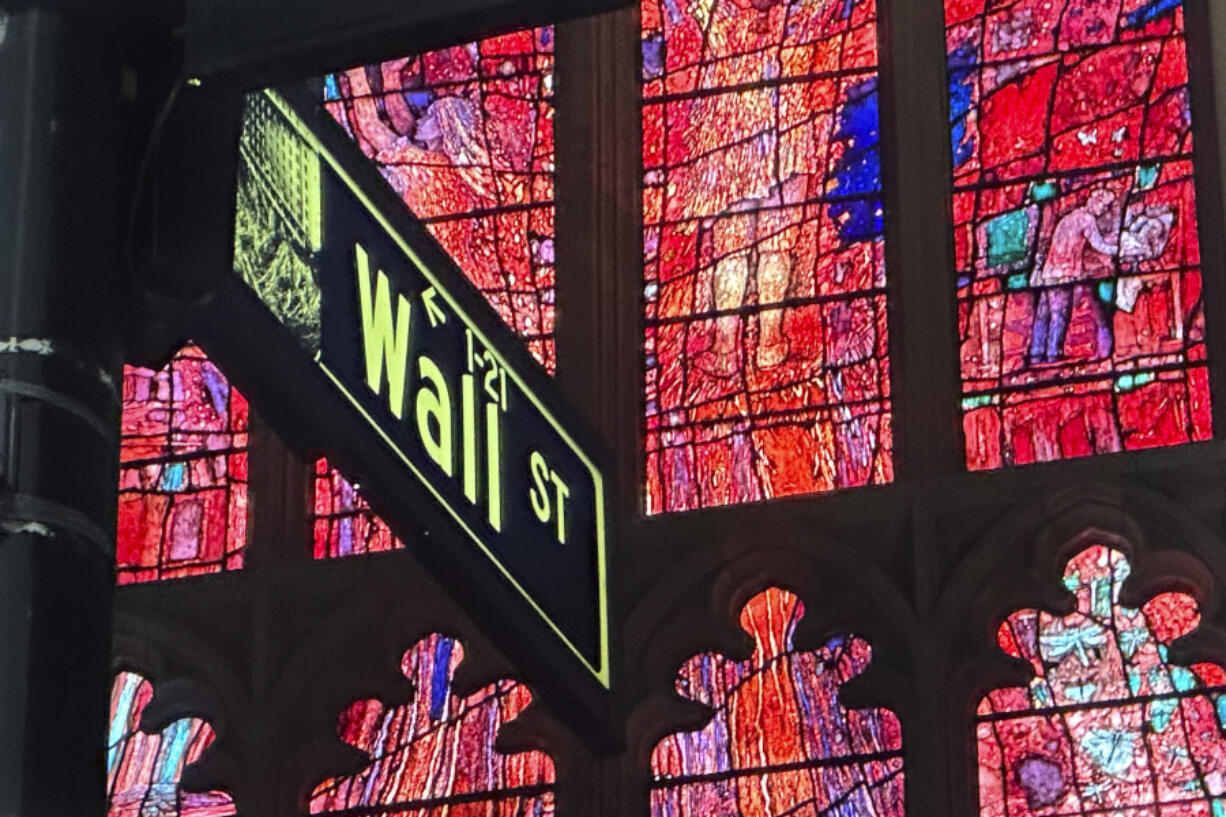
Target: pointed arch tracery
[[779, 741]]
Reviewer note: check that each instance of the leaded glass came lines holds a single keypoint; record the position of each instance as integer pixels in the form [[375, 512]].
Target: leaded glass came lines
[[465, 136], [767, 371], [779, 742], [143, 770], [1108, 725], [1078, 262], [183, 471], [435, 755], [344, 524]]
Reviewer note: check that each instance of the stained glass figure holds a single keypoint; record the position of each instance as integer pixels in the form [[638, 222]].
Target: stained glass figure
[[183, 471], [767, 372], [465, 136], [343, 521], [780, 743], [435, 755], [143, 769], [1108, 725], [1078, 263]]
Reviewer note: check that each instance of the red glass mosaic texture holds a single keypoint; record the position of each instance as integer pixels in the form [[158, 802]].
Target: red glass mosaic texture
[[767, 370], [1078, 262], [1109, 724], [183, 471], [780, 742], [435, 755], [465, 136]]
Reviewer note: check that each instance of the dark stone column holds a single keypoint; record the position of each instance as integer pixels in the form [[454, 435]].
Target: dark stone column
[[61, 219]]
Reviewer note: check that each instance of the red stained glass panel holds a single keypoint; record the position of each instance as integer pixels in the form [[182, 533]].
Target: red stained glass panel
[[465, 136], [344, 524], [143, 769], [183, 471], [435, 755], [1078, 264], [1108, 724], [779, 742], [767, 369]]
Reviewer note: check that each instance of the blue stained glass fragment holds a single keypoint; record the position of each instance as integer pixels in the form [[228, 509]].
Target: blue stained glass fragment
[[120, 722], [1147, 176], [858, 170], [653, 57], [345, 546], [174, 477], [1111, 750], [1149, 12], [1043, 191], [961, 101], [1008, 238], [174, 749], [217, 387], [1160, 713], [439, 677]]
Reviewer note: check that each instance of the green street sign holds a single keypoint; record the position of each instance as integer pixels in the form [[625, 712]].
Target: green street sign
[[493, 460]]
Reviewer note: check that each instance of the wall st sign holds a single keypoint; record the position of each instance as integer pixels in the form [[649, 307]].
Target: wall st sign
[[419, 360]]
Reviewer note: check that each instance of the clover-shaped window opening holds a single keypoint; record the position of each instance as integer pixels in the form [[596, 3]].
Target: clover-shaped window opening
[[143, 769], [435, 754], [780, 742], [1108, 722]]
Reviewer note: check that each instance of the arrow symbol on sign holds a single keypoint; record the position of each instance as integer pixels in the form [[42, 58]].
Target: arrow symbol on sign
[[433, 311]]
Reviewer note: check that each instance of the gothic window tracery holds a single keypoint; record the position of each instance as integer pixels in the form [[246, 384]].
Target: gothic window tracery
[[767, 370], [1109, 724], [435, 755], [183, 471], [143, 769], [1075, 223], [779, 741]]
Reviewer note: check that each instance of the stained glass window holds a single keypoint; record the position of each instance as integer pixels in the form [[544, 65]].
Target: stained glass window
[[1078, 264], [780, 743], [183, 471], [465, 136], [435, 755], [344, 524], [767, 371], [143, 770], [1108, 725]]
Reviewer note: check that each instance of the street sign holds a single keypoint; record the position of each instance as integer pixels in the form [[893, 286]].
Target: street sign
[[417, 359]]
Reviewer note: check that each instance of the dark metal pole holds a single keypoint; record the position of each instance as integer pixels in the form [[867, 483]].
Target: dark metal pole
[[61, 219]]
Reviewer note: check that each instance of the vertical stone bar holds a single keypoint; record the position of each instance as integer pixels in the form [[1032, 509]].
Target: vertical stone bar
[[61, 206]]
